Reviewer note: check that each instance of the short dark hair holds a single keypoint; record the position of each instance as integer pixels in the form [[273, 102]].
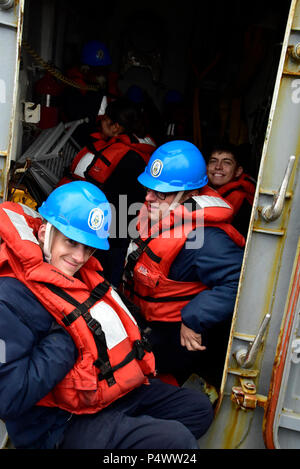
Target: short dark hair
[[226, 147], [128, 115]]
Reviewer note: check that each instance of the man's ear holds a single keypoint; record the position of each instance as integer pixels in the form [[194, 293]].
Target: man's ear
[[194, 192], [117, 129], [188, 194], [41, 233], [239, 171]]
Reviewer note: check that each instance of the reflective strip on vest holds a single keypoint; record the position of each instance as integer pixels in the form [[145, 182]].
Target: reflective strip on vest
[[103, 106], [19, 222], [117, 298], [205, 201], [29, 211], [110, 322], [146, 140], [83, 164], [131, 247]]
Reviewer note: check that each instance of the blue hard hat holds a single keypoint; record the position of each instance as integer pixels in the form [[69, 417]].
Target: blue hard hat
[[95, 53], [175, 166], [81, 212]]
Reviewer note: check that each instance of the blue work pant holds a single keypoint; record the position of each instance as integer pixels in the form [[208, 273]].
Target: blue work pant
[[155, 416]]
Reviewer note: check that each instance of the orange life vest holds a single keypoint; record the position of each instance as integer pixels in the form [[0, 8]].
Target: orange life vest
[[235, 192], [112, 358], [98, 160], [146, 280]]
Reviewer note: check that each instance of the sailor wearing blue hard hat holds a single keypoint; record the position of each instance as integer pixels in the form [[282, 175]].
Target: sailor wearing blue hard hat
[[95, 53], [79, 215], [183, 268], [176, 169], [79, 371]]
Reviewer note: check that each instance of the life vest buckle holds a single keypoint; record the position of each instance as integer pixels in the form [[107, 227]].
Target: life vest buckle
[[139, 348], [106, 372], [94, 326], [134, 256], [146, 344]]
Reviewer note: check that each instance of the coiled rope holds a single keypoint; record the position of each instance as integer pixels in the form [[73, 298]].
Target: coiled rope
[[56, 73]]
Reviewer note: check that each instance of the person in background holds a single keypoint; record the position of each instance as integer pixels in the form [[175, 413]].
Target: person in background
[[226, 174], [77, 374], [112, 160], [152, 115], [183, 264], [175, 116], [96, 86]]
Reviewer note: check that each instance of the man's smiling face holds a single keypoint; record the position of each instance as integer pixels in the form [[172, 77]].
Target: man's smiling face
[[66, 254], [222, 169]]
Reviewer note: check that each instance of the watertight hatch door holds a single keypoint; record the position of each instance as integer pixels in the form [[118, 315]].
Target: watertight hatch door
[[257, 417], [11, 22]]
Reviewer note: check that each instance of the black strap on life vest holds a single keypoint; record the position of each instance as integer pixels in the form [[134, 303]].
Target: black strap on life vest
[[81, 309], [132, 259], [98, 154], [166, 299], [135, 255], [128, 283]]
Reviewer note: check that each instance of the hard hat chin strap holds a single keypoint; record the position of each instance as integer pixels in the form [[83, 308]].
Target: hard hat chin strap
[[174, 203], [176, 200], [48, 242]]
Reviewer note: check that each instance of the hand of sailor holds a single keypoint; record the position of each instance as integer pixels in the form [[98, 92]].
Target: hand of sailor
[[190, 339]]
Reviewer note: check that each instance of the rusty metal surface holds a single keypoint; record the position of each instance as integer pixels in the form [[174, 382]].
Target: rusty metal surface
[[282, 416]]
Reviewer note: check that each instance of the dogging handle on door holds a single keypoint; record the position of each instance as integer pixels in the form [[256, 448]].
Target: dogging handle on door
[[246, 357], [272, 212]]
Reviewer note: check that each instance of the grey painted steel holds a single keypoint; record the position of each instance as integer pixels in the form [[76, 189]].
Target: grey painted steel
[[10, 32]]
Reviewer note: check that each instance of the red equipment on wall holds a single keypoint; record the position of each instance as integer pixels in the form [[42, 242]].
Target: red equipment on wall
[[48, 91]]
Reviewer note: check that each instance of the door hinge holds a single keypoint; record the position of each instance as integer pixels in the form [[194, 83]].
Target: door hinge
[[245, 396]]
